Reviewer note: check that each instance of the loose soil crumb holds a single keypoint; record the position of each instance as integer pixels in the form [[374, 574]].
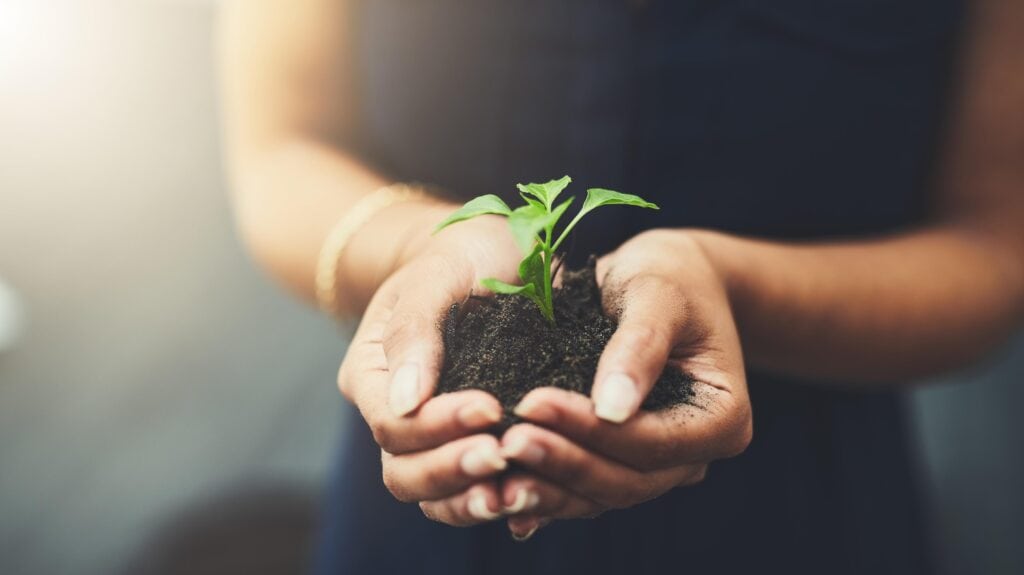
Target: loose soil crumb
[[504, 346]]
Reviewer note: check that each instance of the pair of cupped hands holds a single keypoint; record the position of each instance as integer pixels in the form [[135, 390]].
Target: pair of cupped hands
[[575, 456]]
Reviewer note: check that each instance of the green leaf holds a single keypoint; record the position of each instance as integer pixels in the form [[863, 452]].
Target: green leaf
[[498, 286], [526, 222], [533, 201], [597, 197], [556, 214], [531, 269], [489, 204], [546, 192], [528, 291]]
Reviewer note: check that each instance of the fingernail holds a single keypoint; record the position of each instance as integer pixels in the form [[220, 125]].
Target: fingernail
[[476, 415], [482, 461], [523, 450], [616, 398], [523, 536], [478, 508], [404, 395], [534, 409], [524, 501]]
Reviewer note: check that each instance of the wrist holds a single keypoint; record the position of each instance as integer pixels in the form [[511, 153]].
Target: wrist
[[382, 245], [699, 254], [725, 254], [415, 224]]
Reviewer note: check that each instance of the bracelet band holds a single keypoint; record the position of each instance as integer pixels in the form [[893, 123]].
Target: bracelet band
[[342, 232]]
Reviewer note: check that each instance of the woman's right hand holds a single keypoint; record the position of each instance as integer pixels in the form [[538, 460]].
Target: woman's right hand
[[432, 447]]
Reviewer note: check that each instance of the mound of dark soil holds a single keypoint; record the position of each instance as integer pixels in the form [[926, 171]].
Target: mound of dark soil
[[504, 346]]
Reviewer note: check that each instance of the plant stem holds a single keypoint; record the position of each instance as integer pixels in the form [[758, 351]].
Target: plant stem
[[549, 310], [545, 244], [568, 228]]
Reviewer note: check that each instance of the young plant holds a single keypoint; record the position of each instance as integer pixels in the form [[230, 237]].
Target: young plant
[[533, 228]]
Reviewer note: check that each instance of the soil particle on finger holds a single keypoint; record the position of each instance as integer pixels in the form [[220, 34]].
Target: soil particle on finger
[[504, 346]]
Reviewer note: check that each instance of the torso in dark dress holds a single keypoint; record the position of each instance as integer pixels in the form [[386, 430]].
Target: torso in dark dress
[[793, 119]]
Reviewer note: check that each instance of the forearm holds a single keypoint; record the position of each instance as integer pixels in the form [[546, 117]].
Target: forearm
[[288, 203], [289, 89], [871, 311], [908, 305]]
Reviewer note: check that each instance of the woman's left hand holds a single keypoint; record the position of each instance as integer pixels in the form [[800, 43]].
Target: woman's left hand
[[582, 456]]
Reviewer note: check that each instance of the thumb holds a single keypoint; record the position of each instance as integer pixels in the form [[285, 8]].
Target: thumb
[[652, 315], [412, 339]]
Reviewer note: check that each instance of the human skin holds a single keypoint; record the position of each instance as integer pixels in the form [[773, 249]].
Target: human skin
[[863, 311]]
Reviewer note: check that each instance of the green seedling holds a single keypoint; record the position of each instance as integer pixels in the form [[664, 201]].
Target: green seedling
[[533, 228]]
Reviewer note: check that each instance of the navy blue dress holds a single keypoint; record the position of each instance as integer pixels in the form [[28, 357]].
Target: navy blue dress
[[794, 119]]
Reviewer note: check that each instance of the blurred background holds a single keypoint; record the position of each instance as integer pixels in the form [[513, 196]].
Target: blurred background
[[163, 407]]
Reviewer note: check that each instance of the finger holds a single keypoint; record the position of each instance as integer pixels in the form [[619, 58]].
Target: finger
[[558, 271], [545, 501], [651, 314], [478, 504], [365, 353], [529, 495], [523, 527], [685, 434], [444, 471], [441, 419], [587, 474], [363, 379], [412, 338]]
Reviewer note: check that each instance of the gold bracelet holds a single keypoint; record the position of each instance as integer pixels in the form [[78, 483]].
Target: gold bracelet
[[339, 236]]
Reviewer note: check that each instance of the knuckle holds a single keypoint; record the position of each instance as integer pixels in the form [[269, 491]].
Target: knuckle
[[432, 479], [389, 287], [383, 435], [405, 328], [637, 338], [429, 512], [345, 380], [642, 337], [649, 284], [694, 477], [740, 432], [742, 438], [660, 295], [394, 484]]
